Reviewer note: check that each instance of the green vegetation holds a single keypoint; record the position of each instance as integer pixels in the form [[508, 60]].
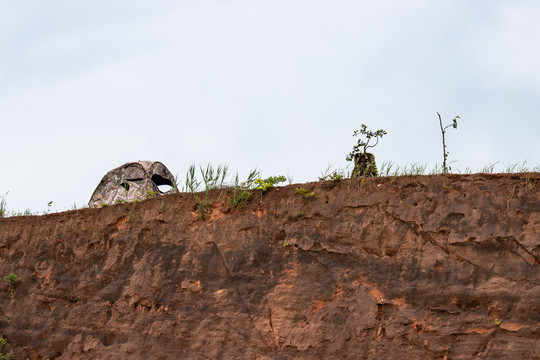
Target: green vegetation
[[446, 168], [12, 278], [132, 211], [364, 165], [305, 192], [8, 356], [364, 162], [215, 178], [364, 145], [212, 179], [268, 183], [242, 191], [334, 175], [496, 321], [3, 209]]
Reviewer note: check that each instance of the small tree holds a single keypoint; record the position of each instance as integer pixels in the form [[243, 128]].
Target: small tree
[[364, 162], [446, 168]]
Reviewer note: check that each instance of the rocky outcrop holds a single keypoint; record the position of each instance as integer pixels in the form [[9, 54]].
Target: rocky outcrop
[[427, 267]]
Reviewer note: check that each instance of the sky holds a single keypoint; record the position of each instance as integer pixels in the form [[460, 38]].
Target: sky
[[86, 86]]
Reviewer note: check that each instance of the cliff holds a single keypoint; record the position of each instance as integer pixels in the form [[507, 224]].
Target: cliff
[[426, 267]]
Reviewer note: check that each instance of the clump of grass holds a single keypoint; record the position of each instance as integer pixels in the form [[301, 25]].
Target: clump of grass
[[394, 170], [212, 178], [521, 168], [334, 175], [386, 168], [489, 169], [242, 192], [389, 169], [415, 169], [3, 208]]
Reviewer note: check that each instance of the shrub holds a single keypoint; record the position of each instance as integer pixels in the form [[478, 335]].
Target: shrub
[[12, 278], [364, 162]]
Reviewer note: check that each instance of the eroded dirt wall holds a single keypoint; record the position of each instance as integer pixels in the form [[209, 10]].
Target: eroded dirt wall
[[428, 267]]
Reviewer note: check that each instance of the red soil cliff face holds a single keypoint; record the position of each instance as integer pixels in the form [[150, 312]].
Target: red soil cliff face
[[427, 267]]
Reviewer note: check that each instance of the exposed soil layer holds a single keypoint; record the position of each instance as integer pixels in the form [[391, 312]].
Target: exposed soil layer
[[425, 267]]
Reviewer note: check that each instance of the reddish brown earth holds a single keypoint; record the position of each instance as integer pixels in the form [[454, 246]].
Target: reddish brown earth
[[409, 268]]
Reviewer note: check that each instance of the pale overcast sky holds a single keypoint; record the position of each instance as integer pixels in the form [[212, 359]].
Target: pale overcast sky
[[86, 86]]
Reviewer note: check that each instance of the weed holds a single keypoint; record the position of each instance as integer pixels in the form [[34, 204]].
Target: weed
[[268, 183], [212, 178], [467, 171], [175, 183], [443, 130], [335, 175], [489, 169], [3, 209], [118, 202], [12, 278], [240, 197], [530, 184], [8, 356], [496, 321], [191, 183], [103, 205], [242, 191], [132, 211], [286, 243], [386, 168], [305, 192], [416, 169], [151, 193], [299, 214], [162, 205], [517, 168]]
